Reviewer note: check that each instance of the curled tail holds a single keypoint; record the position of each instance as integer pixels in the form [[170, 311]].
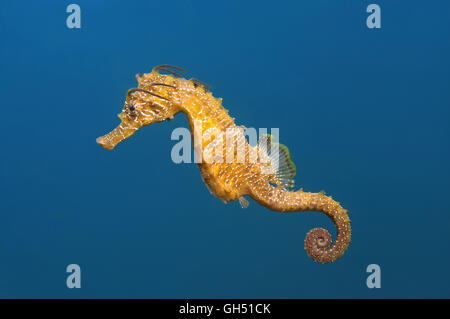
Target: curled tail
[[318, 240]]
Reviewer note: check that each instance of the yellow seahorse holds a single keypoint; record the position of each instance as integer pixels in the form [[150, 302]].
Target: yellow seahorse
[[267, 180]]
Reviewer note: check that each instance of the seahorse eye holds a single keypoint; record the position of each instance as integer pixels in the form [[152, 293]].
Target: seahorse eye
[[131, 107]]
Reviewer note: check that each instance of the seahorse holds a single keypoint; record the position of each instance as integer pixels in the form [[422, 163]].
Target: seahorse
[[268, 180]]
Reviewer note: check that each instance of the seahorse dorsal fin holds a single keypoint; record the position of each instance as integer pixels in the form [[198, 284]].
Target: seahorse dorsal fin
[[284, 167]]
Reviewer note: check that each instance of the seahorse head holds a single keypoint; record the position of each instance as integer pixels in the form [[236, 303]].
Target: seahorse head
[[155, 100]]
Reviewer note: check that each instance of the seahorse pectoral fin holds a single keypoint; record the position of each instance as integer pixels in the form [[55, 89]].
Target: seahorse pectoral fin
[[244, 202]]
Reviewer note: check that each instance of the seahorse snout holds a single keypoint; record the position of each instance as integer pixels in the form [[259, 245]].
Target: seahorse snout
[[120, 133], [103, 142]]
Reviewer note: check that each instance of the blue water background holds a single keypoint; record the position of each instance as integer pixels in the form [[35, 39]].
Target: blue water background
[[365, 114]]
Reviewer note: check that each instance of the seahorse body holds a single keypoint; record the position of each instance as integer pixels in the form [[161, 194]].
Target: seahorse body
[[227, 171]]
